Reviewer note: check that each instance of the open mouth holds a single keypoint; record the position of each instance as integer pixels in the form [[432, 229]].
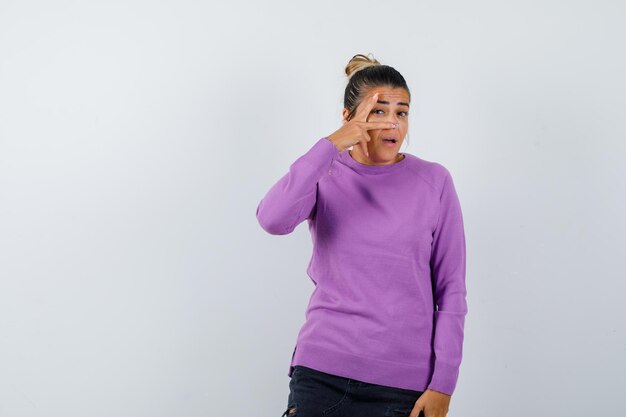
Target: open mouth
[[389, 140]]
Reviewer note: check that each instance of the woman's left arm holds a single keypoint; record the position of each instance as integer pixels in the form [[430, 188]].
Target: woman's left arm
[[447, 266], [448, 277]]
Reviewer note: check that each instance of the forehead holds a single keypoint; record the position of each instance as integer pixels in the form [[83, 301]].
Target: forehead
[[392, 95]]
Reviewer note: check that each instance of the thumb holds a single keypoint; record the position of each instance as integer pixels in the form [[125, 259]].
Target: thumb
[[418, 410]]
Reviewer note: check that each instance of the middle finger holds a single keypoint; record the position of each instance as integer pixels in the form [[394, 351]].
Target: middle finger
[[365, 107]]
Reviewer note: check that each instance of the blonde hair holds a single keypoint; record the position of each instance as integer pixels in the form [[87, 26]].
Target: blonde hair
[[359, 62]]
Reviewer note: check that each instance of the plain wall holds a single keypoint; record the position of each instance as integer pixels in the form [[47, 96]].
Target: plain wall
[[138, 137]]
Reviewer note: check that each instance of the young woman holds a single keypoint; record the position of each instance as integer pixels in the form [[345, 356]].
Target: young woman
[[384, 326]]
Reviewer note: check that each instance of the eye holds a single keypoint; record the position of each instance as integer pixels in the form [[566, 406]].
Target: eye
[[403, 113], [377, 110]]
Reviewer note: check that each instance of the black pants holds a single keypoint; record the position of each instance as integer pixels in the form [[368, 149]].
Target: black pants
[[313, 393]]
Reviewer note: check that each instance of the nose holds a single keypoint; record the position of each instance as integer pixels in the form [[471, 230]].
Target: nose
[[393, 119], [395, 122]]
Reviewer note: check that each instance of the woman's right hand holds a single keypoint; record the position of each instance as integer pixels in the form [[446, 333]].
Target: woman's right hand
[[354, 132]]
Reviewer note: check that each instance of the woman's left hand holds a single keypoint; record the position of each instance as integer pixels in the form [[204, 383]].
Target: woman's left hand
[[434, 404]]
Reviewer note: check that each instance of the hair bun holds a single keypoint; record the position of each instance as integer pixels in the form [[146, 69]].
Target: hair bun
[[359, 62]]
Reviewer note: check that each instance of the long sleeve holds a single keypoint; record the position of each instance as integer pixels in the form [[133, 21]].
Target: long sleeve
[[292, 199], [448, 278]]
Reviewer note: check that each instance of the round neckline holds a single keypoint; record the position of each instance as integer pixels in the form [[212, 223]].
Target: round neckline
[[371, 169]]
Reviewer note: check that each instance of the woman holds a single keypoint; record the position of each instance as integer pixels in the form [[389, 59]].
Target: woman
[[384, 325]]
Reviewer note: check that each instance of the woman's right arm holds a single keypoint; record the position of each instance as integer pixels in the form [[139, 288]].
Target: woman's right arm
[[292, 199]]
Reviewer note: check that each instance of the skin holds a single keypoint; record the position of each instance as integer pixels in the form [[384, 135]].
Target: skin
[[373, 121]]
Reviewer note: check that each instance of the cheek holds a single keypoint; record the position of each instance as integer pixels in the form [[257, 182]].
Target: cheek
[[373, 133]]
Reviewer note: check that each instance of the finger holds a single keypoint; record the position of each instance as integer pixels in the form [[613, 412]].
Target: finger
[[364, 148], [417, 412], [378, 125], [363, 144], [365, 107]]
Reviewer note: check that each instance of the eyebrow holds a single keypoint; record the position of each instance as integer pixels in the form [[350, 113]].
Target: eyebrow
[[400, 103]]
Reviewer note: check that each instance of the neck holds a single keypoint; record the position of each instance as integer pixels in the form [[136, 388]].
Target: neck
[[359, 157]]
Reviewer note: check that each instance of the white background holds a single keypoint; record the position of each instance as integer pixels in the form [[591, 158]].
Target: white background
[[137, 138]]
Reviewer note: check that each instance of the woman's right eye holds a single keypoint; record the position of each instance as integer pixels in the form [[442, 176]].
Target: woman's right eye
[[377, 110]]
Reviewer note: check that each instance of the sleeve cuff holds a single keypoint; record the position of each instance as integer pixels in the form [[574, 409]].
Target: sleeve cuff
[[318, 158], [444, 378]]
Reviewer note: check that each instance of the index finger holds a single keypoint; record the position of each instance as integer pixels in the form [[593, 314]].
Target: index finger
[[364, 108]]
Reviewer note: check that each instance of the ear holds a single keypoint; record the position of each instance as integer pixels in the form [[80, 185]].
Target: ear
[[344, 115]]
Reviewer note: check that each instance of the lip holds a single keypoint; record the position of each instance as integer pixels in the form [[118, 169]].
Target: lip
[[390, 144]]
